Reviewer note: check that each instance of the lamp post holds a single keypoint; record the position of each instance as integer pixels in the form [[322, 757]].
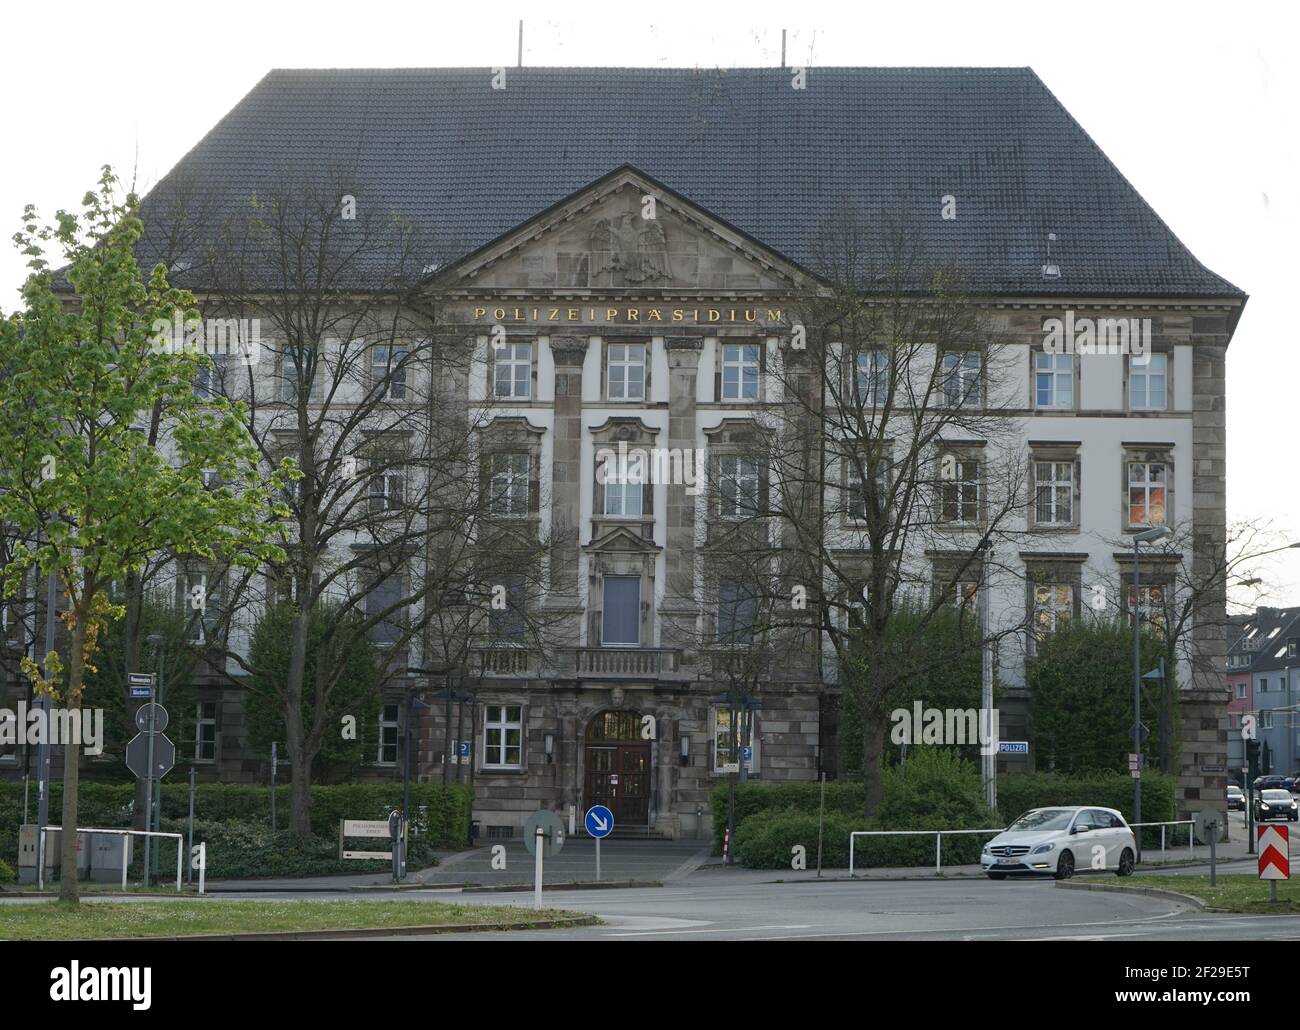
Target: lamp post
[[1149, 536]]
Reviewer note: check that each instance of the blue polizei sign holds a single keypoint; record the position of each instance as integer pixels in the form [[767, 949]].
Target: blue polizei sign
[[1013, 747], [599, 821]]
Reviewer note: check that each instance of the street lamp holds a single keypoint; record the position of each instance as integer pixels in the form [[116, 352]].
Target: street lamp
[[1149, 536]]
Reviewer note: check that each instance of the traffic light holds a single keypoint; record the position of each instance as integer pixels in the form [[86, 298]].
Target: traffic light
[[1252, 751]]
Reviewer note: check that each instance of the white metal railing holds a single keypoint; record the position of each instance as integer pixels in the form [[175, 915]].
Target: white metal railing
[[937, 834], [1191, 834], [40, 871]]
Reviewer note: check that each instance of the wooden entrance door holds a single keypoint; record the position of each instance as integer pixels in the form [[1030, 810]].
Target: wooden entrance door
[[618, 767]]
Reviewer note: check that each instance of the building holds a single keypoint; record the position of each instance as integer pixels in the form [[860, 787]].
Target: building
[[594, 326], [1264, 677]]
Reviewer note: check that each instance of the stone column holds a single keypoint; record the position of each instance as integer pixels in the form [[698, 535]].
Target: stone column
[[569, 353], [679, 607]]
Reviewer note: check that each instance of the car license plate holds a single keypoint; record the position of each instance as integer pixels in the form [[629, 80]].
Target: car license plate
[[1008, 861]]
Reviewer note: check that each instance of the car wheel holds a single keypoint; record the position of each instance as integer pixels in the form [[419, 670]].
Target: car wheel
[[1064, 867], [997, 876], [1125, 863]]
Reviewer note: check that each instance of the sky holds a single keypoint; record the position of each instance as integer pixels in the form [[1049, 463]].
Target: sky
[[1196, 103]]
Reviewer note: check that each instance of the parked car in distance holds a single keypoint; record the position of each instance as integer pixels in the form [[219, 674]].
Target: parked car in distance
[[1060, 840], [1268, 783], [1236, 798], [1276, 804]]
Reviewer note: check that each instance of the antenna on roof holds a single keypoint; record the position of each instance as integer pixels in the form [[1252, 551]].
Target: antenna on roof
[[783, 48], [521, 42]]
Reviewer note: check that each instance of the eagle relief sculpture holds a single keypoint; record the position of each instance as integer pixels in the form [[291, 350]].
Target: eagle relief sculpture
[[633, 249]]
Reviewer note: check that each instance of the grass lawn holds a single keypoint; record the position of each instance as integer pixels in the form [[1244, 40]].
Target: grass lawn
[[53, 921], [1236, 893]]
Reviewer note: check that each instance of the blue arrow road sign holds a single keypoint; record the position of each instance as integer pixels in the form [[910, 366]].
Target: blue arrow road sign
[[599, 821]]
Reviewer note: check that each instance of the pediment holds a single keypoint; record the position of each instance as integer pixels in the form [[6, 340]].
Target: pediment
[[622, 539], [625, 233]]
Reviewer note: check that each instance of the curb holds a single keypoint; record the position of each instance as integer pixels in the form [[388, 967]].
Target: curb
[[352, 933], [576, 885], [1153, 892]]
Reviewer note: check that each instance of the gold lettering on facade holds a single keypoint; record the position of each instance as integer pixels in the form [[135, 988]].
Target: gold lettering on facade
[[479, 313], [678, 314], [654, 315], [553, 315], [632, 314], [714, 314], [774, 316], [750, 314], [611, 314], [498, 314]]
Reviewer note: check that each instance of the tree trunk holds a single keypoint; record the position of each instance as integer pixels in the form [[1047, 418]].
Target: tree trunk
[[300, 771], [873, 744], [69, 888]]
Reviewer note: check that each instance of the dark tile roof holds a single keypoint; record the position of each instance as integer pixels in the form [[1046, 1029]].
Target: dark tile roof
[[1255, 641], [465, 163]]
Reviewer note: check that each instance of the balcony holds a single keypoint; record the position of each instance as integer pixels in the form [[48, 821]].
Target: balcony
[[622, 662], [505, 661]]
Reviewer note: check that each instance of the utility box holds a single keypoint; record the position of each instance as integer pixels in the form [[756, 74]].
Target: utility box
[[106, 856], [53, 844]]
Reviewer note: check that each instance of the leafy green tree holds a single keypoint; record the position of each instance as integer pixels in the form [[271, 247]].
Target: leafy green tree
[[340, 643], [82, 369], [1081, 697], [944, 673]]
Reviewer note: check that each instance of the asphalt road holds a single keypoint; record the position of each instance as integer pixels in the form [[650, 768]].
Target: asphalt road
[[912, 910]]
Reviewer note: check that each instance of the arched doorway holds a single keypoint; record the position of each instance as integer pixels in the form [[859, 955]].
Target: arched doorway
[[618, 767]]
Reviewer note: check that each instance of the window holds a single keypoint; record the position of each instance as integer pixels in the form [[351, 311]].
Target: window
[[621, 622], [740, 371], [1148, 378], [1053, 608], [1054, 493], [736, 611], [725, 757], [1242, 689], [387, 490], [1146, 493], [1150, 607], [503, 733], [514, 371], [961, 379], [872, 377], [387, 754], [1053, 380], [510, 484], [1265, 720], [738, 486], [959, 490], [384, 594], [210, 380], [623, 482], [388, 371], [508, 620], [291, 371], [626, 371], [205, 732], [858, 503], [964, 593]]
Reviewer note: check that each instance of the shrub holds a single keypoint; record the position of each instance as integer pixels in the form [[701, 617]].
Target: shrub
[[7, 875], [1017, 794], [937, 790]]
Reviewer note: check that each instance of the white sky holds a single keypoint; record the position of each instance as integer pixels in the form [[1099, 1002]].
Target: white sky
[[1196, 103]]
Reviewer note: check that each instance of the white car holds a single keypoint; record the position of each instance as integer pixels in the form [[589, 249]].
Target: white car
[[1061, 841]]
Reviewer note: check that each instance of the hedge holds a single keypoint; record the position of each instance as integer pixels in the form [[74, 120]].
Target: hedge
[[110, 805], [938, 792], [7, 875], [1018, 794]]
